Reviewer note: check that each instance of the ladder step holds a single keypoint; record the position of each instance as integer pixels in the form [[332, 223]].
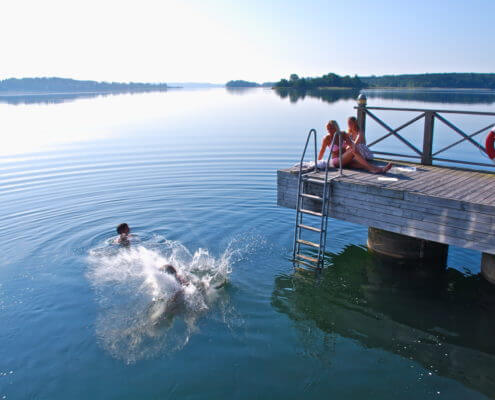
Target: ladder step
[[315, 180], [311, 196], [307, 258], [305, 263], [308, 243], [316, 214], [309, 228], [303, 270]]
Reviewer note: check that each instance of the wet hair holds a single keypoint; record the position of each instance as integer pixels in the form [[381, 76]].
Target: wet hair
[[170, 269], [122, 228], [332, 124]]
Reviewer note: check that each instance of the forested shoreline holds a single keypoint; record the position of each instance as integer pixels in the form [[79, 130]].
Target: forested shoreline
[[442, 80], [63, 85]]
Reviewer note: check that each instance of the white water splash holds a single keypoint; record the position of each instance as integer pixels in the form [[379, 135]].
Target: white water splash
[[146, 311]]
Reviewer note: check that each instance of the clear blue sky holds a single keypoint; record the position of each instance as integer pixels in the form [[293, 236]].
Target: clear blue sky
[[219, 40]]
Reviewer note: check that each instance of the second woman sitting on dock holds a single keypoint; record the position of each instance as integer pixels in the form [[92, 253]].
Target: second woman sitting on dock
[[351, 157], [357, 136]]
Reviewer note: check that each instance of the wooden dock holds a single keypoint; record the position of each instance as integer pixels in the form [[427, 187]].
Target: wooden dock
[[440, 204]]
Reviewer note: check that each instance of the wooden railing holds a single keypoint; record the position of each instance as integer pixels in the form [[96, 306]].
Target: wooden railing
[[426, 156]]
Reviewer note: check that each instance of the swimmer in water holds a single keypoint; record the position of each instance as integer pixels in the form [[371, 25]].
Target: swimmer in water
[[162, 310], [124, 234]]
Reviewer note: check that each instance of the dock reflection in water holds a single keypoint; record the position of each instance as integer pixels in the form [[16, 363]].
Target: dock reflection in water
[[438, 318]]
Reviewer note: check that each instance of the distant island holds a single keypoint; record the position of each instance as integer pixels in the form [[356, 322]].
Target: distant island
[[247, 84], [63, 85]]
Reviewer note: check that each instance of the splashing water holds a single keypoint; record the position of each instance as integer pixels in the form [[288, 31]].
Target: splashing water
[[145, 310]]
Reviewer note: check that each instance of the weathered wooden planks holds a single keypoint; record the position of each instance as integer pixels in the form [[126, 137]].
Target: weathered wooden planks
[[441, 204]]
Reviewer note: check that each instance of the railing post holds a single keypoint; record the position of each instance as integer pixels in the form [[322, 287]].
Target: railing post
[[426, 158], [361, 115]]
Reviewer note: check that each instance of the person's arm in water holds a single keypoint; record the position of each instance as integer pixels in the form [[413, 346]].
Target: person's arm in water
[[122, 239], [170, 269], [183, 281]]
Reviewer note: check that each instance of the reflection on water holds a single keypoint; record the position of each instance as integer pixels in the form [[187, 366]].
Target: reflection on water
[[441, 319], [327, 95], [57, 98], [421, 95], [240, 90], [435, 95]]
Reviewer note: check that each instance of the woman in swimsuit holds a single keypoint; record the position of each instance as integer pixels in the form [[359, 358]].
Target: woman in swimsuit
[[351, 157]]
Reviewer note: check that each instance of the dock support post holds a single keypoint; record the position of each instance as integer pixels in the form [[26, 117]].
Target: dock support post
[[488, 267], [406, 248], [361, 115], [426, 158]]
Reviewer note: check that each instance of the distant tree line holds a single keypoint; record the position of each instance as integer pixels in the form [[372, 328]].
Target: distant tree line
[[444, 80], [325, 81], [241, 83], [72, 85]]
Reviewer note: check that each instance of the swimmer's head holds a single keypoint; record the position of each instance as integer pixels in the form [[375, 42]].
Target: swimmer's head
[[169, 269], [123, 229]]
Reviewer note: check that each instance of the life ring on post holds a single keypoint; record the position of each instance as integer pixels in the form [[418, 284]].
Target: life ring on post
[[490, 144]]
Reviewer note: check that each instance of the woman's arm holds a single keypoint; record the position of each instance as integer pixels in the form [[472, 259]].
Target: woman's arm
[[359, 138], [324, 145], [347, 139]]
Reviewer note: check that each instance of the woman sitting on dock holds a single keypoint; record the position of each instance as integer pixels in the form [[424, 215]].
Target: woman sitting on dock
[[351, 157], [358, 138]]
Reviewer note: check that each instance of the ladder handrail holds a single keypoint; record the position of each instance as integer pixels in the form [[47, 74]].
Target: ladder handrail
[[324, 207], [311, 131]]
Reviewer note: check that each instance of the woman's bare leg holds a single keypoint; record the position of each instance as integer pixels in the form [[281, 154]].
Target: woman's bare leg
[[347, 158], [360, 162], [357, 165]]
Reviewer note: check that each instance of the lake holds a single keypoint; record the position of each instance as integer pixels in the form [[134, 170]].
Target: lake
[[193, 172]]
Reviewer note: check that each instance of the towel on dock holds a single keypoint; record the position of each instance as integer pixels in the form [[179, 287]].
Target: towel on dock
[[311, 164]]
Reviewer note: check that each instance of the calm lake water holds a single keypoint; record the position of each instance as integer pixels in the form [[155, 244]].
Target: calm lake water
[[193, 172]]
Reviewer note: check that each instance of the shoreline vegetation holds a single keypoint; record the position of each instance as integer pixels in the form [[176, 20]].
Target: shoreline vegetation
[[454, 80], [33, 86]]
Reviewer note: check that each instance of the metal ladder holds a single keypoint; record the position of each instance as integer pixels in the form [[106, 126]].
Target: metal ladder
[[303, 180]]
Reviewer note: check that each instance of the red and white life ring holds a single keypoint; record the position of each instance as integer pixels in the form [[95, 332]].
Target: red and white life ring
[[490, 144]]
